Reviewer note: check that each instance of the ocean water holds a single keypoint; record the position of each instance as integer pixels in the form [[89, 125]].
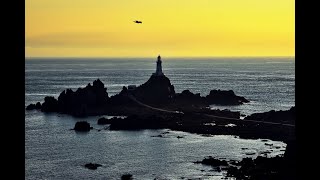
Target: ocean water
[[55, 152]]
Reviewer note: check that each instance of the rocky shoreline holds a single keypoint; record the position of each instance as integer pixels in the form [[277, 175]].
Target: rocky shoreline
[[157, 91], [156, 105]]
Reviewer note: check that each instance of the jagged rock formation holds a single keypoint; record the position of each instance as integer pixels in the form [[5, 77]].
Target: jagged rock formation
[[219, 97], [83, 100], [34, 106], [157, 91]]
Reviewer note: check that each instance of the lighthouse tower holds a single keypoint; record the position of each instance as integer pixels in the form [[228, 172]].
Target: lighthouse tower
[[159, 67]]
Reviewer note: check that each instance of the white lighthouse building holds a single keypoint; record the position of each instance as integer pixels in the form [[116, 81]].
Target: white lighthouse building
[[159, 67]]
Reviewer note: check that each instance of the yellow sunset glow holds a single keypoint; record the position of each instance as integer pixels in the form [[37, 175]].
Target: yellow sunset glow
[[105, 28]]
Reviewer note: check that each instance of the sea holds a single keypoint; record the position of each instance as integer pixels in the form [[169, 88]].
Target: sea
[[53, 151]]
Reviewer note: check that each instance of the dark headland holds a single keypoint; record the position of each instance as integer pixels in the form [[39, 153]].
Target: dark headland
[[156, 105]]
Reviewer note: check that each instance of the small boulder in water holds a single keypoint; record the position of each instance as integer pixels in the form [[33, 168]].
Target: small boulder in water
[[126, 177], [92, 166], [82, 126]]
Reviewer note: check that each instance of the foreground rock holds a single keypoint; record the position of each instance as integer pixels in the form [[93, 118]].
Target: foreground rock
[[92, 166], [259, 168], [82, 126]]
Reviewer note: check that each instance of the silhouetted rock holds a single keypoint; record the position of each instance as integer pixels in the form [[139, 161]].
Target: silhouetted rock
[[31, 107], [92, 166], [290, 158], [285, 117], [126, 177], [157, 90], [222, 97], [187, 98], [213, 162], [103, 121], [34, 106], [84, 100], [262, 168], [121, 99], [50, 104], [38, 105], [82, 126]]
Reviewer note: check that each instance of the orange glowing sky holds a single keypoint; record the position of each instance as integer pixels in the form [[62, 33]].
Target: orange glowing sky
[[105, 28]]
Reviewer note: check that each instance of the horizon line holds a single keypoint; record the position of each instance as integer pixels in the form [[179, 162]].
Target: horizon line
[[134, 57]]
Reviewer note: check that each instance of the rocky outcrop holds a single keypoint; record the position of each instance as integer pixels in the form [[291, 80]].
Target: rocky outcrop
[[78, 103], [82, 102], [222, 97], [187, 98], [157, 90], [50, 104], [121, 98], [286, 117], [34, 106], [82, 126]]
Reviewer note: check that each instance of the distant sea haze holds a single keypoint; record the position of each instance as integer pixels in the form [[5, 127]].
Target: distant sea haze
[[269, 83]]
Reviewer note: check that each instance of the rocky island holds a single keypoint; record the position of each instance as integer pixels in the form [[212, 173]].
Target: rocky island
[[156, 105], [156, 92]]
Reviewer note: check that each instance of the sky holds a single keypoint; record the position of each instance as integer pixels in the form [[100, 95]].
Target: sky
[[173, 28]]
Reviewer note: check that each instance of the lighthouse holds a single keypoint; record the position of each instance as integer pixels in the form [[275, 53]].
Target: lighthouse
[[159, 67]]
